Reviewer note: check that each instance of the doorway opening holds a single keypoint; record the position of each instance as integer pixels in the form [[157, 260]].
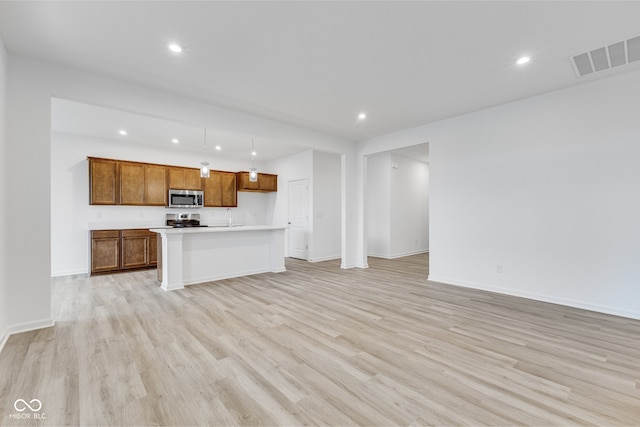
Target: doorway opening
[[397, 202]]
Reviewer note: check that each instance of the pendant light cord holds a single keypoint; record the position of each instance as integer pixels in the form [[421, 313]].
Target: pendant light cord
[[205, 144]]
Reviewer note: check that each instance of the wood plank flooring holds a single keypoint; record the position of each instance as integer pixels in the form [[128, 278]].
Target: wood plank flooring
[[318, 345]]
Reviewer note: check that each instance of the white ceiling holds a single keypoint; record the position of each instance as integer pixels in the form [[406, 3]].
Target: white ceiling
[[318, 64], [95, 122]]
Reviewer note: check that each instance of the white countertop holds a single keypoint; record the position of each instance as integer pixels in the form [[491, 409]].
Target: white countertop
[[216, 229], [205, 254], [122, 225]]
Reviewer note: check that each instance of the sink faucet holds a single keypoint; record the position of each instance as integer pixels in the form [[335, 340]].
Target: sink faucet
[[229, 217]]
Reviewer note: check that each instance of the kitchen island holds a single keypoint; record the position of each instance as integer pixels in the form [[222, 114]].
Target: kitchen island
[[196, 255]]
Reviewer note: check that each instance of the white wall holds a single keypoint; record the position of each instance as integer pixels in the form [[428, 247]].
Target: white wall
[[547, 188], [326, 233], [30, 86], [290, 168], [4, 284], [378, 205], [27, 162], [71, 213], [409, 206], [323, 172], [397, 213]]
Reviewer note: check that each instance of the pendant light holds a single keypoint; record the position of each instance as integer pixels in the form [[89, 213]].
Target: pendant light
[[204, 169], [253, 172]]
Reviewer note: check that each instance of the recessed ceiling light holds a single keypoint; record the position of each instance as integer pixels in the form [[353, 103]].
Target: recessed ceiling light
[[122, 132], [175, 140], [175, 48], [523, 60], [253, 153], [362, 116], [218, 148]]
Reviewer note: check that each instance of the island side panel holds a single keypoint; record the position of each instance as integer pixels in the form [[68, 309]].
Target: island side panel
[[277, 251], [172, 266], [216, 256]]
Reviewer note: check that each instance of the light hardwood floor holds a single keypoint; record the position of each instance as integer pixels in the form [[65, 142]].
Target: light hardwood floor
[[318, 345]]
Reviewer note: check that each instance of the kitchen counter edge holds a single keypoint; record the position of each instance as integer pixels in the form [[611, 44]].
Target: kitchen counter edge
[[216, 229]]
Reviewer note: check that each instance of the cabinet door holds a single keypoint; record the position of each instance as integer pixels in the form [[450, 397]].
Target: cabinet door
[[175, 178], [184, 178], [155, 185], [103, 184], [192, 180], [134, 252], [268, 182], [229, 190], [105, 250], [244, 184], [212, 189], [131, 183]]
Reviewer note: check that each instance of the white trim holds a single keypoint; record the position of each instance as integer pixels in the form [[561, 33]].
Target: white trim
[[400, 255], [24, 327], [3, 339], [346, 267], [326, 258], [540, 297], [83, 272], [231, 275]]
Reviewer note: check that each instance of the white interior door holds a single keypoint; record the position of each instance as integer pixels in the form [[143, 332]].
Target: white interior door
[[299, 219]]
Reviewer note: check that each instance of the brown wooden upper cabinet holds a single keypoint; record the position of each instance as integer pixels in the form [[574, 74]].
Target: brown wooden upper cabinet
[[220, 190], [184, 178], [266, 182], [103, 181], [116, 182], [142, 184], [155, 187], [131, 183], [120, 182]]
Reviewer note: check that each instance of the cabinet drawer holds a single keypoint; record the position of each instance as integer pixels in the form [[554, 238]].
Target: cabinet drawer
[[105, 234], [138, 233]]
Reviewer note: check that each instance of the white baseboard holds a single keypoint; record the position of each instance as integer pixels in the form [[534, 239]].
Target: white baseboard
[[584, 305], [348, 266], [400, 255], [83, 272], [3, 338], [327, 258], [24, 327]]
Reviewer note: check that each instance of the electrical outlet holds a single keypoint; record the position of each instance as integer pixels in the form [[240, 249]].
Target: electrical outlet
[[499, 268]]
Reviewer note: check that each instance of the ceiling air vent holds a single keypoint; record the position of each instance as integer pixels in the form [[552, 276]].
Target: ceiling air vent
[[603, 58]]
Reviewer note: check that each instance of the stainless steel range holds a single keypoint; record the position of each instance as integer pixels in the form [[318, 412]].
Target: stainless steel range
[[184, 220]]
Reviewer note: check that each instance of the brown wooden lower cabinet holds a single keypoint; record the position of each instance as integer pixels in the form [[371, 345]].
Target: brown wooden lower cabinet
[[121, 250], [105, 250]]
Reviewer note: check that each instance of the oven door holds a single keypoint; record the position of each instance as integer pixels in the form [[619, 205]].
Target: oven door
[[185, 198]]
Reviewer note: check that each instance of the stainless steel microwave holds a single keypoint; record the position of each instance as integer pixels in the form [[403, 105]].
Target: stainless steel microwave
[[186, 198]]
